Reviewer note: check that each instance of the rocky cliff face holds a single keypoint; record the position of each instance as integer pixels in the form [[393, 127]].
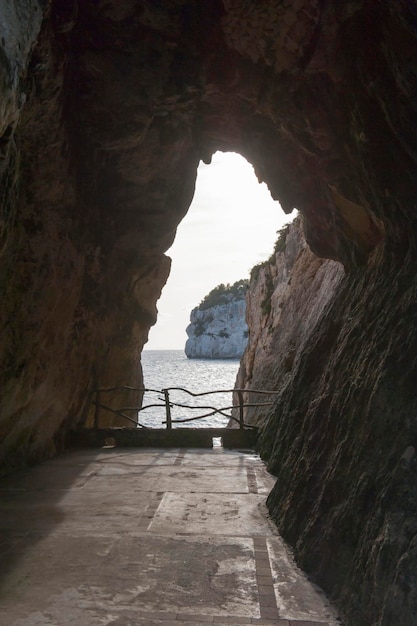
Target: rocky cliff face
[[341, 441], [286, 299], [219, 332], [345, 494], [106, 108]]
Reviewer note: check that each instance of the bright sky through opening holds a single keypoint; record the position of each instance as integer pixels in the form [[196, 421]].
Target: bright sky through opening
[[231, 226]]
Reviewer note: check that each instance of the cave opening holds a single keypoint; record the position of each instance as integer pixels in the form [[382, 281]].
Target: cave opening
[[231, 226]]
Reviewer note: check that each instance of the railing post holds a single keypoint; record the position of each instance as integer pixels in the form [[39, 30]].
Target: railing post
[[96, 412], [240, 396], [167, 409]]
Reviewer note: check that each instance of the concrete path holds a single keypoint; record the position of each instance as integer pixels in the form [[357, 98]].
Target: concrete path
[[128, 537]]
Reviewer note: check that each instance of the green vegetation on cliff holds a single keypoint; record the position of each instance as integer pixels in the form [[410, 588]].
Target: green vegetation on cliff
[[224, 293], [278, 247]]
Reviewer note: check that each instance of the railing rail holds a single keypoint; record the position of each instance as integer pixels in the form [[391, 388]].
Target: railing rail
[[168, 404]]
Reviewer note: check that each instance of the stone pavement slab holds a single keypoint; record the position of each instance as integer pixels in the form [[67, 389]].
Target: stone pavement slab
[[148, 537], [165, 478], [211, 514]]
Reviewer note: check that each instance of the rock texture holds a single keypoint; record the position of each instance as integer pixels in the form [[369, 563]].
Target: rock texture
[[106, 108], [332, 437], [342, 439], [287, 297], [219, 332]]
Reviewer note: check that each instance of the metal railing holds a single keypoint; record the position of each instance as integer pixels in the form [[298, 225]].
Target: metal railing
[[168, 404]]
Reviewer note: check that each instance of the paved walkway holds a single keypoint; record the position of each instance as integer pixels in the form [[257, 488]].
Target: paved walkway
[[127, 537]]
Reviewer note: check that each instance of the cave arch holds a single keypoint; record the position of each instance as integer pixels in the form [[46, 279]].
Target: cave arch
[[107, 108], [231, 226]]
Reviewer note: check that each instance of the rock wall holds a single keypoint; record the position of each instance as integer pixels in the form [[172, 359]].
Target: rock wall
[[106, 108], [341, 440], [287, 297], [345, 495], [219, 332], [78, 294]]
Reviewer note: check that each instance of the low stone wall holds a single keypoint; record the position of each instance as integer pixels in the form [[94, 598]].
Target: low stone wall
[[164, 438]]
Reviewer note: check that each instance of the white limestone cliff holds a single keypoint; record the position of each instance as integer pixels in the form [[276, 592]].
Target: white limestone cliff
[[218, 332]]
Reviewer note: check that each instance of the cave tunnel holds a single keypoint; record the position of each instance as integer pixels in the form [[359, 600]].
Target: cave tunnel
[[106, 110]]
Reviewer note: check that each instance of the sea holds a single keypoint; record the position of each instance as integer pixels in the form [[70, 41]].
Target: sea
[[163, 369]]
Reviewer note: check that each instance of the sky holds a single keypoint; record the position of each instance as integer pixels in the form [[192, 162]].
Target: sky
[[231, 226]]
